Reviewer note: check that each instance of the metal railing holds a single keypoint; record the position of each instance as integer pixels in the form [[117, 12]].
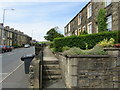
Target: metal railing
[[39, 54]]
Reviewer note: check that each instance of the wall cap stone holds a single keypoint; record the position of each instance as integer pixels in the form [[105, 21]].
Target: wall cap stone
[[112, 49], [85, 56], [88, 56]]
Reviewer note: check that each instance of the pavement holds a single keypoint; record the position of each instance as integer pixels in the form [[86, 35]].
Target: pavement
[[17, 79], [12, 73], [48, 55]]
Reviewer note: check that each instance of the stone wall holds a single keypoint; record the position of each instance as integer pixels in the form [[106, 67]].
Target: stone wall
[[97, 72], [91, 71], [34, 73]]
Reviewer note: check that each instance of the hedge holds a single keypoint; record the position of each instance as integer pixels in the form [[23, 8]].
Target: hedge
[[80, 41]]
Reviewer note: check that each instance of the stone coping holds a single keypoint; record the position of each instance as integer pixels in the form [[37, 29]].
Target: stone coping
[[112, 49], [85, 56]]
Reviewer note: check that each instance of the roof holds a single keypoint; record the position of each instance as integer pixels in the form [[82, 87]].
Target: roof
[[79, 12]]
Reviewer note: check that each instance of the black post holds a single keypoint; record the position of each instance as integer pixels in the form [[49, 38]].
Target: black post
[[40, 68]]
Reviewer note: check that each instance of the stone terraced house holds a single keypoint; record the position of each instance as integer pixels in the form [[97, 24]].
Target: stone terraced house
[[86, 19], [13, 37]]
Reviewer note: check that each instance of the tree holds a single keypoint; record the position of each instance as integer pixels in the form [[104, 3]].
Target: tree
[[52, 33], [101, 20]]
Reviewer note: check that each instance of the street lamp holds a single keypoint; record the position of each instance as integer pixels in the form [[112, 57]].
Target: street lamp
[[3, 24], [4, 14]]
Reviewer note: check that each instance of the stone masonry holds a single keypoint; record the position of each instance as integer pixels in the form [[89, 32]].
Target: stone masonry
[[113, 9], [91, 71]]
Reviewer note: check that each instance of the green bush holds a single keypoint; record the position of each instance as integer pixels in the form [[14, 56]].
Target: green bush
[[65, 48], [51, 44], [97, 50], [52, 49], [81, 41], [16, 46], [118, 36], [73, 51], [107, 43]]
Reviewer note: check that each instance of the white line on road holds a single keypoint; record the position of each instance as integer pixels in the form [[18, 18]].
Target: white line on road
[[12, 53], [11, 72], [3, 73]]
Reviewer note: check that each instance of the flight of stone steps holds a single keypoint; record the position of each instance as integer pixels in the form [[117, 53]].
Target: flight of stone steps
[[51, 70]]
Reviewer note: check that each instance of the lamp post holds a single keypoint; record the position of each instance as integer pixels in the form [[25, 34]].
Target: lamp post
[[3, 38]]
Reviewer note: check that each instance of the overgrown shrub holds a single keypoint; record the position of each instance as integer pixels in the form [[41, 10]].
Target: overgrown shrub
[[51, 44], [81, 41], [107, 43], [73, 51], [16, 46], [97, 50], [118, 36], [52, 49], [65, 48], [101, 20]]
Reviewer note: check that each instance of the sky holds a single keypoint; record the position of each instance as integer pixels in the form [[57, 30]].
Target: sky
[[36, 18]]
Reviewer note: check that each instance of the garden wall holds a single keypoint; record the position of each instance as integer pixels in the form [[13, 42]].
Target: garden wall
[[91, 71]]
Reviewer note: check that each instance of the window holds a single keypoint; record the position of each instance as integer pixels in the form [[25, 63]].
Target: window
[[0, 32], [96, 28], [69, 34], [11, 35], [79, 31], [5, 33], [107, 2], [76, 32], [8, 34], [89, 28], [89, 11], [65, 29], [79, 19], [109, 22], [84, 28], [69, 27]]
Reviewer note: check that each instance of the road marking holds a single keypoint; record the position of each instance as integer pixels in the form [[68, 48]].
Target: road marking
[[11, 72], [12, 53], [3, 73]]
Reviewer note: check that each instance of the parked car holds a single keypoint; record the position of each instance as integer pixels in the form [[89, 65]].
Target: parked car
[[9, 48], [3, 48], [27, 46]]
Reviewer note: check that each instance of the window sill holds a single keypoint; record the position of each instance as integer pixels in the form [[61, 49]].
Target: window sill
[[108, 5], [89, 17]]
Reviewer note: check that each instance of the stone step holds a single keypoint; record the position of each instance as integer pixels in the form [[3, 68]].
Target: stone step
[[53, 77], [47, 83], [52, 72], [51, 66], [50, 58], [50, 62], [46, 73]]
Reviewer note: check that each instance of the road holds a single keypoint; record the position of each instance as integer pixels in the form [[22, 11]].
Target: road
[[12, 68]]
